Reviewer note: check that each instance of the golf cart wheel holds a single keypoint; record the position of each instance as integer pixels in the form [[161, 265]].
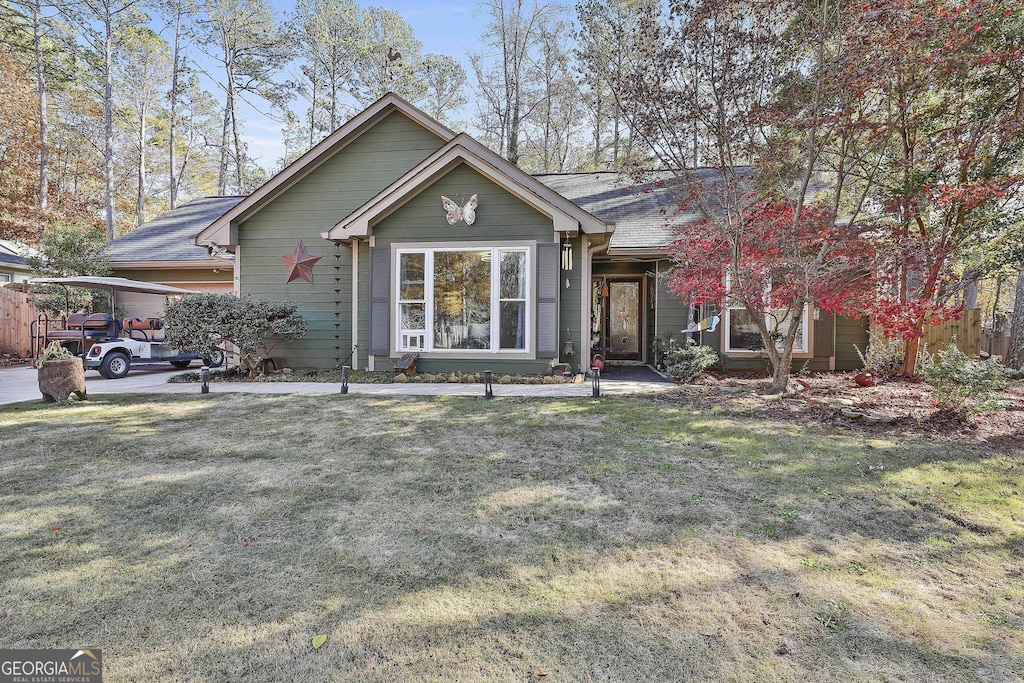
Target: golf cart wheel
[[215, 359], [115, 365], [181, 363]]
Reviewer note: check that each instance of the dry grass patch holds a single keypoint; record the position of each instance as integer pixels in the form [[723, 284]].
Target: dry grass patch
[[210, 538]]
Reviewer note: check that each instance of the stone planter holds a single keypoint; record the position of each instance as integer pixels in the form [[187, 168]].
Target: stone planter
[[58, 379]]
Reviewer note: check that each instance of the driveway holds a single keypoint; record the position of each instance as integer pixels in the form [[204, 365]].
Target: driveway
[[18, 384]]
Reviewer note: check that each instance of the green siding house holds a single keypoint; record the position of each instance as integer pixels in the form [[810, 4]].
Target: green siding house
[[422, 240]]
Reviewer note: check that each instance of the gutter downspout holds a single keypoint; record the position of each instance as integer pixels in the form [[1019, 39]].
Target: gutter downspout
[[355, 305]]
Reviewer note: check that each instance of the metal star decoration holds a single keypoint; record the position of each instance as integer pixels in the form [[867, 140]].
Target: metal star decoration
[[300, 264]]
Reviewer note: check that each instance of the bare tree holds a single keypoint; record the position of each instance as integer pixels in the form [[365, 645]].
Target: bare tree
[[176, 13], [142, 69], [607, 38], [327, 33], [242, 37], [96, 22], [445, 84], [507, 78]]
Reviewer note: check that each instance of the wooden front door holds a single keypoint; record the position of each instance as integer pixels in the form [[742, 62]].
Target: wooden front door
[[621, 318]]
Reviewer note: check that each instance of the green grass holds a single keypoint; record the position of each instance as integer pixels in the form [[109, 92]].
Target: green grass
[[211, 538]]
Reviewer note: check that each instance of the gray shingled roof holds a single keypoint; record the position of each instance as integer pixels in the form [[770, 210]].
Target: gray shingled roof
[[13, 260], [166, 238], [643, 214]]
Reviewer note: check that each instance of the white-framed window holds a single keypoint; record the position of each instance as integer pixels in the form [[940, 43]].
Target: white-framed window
[[741, 333], [464, 299], [5, 278]]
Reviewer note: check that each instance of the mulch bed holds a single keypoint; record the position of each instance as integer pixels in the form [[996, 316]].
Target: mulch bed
[[10, 359], [822, 396]]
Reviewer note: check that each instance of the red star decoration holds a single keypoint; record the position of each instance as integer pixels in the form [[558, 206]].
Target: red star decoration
[[300, 264]]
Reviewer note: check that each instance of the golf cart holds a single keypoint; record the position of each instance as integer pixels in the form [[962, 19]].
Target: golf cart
[[108, 344]]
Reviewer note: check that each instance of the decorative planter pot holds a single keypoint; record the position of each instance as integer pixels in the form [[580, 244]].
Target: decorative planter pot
[[58, 379]]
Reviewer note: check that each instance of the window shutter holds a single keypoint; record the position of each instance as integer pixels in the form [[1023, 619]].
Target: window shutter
[[380, 301], [823, 331], [547, 299]]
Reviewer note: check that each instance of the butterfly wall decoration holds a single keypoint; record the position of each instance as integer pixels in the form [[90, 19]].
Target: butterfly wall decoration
[[458, 213]]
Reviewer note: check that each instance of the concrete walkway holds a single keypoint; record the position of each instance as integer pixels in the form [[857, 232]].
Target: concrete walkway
[[19, 384]]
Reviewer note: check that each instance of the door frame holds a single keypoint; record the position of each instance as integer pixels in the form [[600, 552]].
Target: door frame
[[603, 346]]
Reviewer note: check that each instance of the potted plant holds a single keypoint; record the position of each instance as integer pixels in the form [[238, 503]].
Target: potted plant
[[60, 374]]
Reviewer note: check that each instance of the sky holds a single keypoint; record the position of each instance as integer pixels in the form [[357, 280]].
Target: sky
[[450, 28]]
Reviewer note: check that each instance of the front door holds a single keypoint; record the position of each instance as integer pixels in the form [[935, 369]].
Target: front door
[[619, 316]]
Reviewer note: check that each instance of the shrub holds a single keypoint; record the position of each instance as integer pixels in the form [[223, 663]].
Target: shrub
[[55, 351], [961, 382], [202, 323], [884, 355], [686, 362]]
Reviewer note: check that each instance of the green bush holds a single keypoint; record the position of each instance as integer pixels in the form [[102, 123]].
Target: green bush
[[205, 322], [960, 382], [683, 363], [884, 355]]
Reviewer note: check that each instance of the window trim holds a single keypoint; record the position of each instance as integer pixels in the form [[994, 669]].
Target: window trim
[[801, 349], [496, 247]]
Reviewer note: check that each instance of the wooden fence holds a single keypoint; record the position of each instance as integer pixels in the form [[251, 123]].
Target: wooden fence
[[995, 343], [967, 330], [16, 314]]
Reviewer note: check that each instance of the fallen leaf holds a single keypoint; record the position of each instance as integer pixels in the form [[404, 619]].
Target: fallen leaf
[[415, 532], [959, 483], [318, 641], [10, 611], [188, 543], [56, 530], [783, 650]]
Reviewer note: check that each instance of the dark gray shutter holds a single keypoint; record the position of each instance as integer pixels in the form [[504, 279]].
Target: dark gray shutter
[[547, 299], [380, 301], [824, 331]]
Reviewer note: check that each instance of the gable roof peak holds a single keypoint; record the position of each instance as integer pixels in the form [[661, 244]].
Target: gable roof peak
[[219, 232]]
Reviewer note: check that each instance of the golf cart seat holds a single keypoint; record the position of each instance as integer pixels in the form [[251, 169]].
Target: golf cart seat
[[144, 329], [81, 327]]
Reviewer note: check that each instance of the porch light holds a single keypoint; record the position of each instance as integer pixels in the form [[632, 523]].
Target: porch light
[[488, 387], [566, 254], [204, 377], [595, 382], [345, 371], [569, 348]]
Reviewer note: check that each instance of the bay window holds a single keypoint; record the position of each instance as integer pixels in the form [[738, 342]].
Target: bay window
[[463, 299]]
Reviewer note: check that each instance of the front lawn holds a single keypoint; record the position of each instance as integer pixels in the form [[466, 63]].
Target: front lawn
[[210, 538]]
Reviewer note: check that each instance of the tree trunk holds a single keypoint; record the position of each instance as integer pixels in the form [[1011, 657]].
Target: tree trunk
[[44, 150], [58, 379], [239, 183], [173, 123], [140, 198], [229, 114], [1015, 354], [108, 119]]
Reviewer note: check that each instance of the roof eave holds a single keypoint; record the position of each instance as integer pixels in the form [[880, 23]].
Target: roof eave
[[566, 216]]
